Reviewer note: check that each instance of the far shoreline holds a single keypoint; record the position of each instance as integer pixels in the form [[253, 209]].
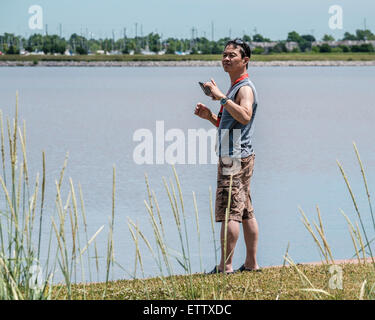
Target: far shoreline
[[185, 63]]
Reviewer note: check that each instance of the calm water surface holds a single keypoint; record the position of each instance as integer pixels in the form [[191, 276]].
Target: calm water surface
[[307, 118]]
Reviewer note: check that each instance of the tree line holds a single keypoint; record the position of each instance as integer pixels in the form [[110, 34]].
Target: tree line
[[78, 44]]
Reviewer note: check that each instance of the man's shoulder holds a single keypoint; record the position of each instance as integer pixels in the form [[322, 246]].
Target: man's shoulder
[[245, 92]]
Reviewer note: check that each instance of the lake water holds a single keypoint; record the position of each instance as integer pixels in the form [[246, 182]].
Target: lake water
[[307, 118]]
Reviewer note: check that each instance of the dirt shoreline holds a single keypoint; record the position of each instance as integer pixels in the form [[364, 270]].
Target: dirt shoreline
[[318, 263], [195, 63]]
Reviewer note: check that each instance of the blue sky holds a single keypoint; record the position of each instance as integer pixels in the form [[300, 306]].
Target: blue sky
[[175, 18]]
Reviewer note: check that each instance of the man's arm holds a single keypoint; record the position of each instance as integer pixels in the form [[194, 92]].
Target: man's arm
[[205, 113], [213, 118], [241, 109]]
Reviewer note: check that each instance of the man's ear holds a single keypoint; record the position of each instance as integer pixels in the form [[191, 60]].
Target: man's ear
[[246, 59]]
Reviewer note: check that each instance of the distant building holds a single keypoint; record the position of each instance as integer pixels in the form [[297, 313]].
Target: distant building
[[37, 53], [264, 45], [148, 52], [348, 43], [290, 45]]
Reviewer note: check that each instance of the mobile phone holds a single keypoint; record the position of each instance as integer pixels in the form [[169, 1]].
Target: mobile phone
[[206, 90]]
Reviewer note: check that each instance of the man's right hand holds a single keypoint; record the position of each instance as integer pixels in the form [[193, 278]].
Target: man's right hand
[[202, 111]]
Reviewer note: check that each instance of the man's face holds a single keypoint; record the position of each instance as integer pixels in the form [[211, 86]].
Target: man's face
[[232, 60]]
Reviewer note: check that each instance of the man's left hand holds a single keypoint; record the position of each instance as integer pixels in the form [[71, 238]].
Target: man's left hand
[[216, 94]]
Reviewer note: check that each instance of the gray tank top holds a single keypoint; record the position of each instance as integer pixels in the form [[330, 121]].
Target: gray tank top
[[234, 138]]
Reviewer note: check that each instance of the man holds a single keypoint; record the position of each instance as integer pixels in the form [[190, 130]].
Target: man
[[236, 156]]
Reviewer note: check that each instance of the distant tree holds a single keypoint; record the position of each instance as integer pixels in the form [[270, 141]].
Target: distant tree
[[328, 37], [293, 36], [308, 38], [259, 38], [324, 48], [349, 36], [279, 48], [246, 38], [364, 35], [344, 48], [296, 50], [80, 44], [171, 49], [204, 46], [216, 48], [366, 47], [13, 50], [258, 50], [304, 41], [153, 40], [194, 50], [315, 49], [35, 42], [94, 45], [81, 50], [53, 44]]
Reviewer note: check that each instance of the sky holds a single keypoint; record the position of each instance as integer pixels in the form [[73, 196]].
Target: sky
[[176, 18]]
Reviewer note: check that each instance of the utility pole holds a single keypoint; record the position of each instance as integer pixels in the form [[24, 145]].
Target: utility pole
[[136, 36], [60, 30], [142, 44], [192, 38], [212, 31], [124, 38], [113, 39]]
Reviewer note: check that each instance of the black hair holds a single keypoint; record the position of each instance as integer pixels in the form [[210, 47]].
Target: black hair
[[244, 48]]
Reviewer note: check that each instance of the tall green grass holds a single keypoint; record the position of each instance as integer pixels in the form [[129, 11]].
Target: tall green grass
[[362, 246], [24, 224], [23, 220]]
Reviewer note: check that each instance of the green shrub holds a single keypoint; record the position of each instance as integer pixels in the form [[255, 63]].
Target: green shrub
[[344, 48], [325, 48], [336, 50], [258, 50], [366, 47]]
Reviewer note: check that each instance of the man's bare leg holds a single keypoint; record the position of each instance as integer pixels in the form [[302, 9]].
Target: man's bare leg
[[233, 231], [250, 231]]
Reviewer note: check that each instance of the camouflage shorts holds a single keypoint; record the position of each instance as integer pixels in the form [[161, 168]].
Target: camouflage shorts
[[240, 205]]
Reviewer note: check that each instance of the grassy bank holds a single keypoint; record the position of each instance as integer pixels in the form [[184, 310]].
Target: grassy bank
[[72, 250], [283, 283], [271, 57]]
